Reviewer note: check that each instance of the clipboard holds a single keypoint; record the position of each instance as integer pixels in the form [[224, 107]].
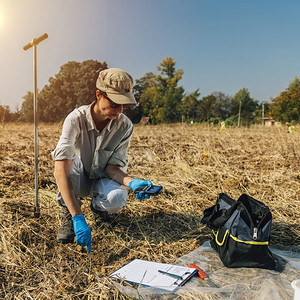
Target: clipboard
[[153, 274]]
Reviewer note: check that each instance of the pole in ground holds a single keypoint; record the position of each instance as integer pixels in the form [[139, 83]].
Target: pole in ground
[[34, 44]]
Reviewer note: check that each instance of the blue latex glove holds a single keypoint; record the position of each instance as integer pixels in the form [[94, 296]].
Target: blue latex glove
[[135, 183], [82, 232]]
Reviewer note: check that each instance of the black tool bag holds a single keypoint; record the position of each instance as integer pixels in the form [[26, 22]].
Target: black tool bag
[[241, 231]]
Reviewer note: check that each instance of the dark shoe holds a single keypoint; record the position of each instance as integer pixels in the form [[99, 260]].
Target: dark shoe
[[66, 233], [100, 216]]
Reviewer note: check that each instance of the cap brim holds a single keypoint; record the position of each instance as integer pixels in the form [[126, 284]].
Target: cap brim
[[126, 98]]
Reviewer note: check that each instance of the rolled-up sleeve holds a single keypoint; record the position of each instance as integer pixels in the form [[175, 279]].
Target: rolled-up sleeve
[[66, 147]]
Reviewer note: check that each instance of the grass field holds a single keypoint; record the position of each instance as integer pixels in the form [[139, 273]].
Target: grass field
[[193, 163]]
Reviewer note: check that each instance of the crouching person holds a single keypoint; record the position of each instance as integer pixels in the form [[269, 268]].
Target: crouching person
[[91, 157]]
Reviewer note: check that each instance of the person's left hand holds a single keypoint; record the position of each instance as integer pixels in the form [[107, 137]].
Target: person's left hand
[[135, 183]]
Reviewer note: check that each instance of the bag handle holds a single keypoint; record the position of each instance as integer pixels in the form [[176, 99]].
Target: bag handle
[[216, 234], [215, 217]]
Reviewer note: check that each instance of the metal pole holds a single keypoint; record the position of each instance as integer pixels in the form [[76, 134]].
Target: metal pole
[[239, 118], [36, 146], [263, 114], [33, 44]]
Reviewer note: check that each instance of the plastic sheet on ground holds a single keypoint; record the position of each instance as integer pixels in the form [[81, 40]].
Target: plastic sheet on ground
[[238, 283]]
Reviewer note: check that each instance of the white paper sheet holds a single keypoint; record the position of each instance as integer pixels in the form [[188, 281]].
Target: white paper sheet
[[147, 273]]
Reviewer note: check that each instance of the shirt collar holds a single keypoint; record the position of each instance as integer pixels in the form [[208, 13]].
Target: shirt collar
[[109, 125]]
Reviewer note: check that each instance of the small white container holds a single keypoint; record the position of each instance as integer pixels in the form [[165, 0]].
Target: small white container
[[296, 286]]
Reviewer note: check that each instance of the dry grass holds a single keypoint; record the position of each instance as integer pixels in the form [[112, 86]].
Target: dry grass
[[192, 162]]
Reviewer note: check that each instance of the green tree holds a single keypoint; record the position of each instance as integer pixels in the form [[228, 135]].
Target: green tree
[[73, 86], [217, 106], [26, 112], [146, 93], [159, 96], [295, 84], [223, 106], [205, 108], [169, 94], [169, 75], [171, 104], [189, 105], [148, 80], [286, 106], [244, 106]]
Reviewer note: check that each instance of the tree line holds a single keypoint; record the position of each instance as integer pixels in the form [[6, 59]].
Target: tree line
[[159, 95]]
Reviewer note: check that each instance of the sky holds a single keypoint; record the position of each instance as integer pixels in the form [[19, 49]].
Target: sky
[[222, 45]]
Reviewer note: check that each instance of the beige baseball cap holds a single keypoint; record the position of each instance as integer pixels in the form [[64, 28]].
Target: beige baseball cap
[[117, 84]]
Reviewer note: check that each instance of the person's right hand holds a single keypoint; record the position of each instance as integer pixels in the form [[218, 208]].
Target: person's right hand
[[135, 183], [82, 232]]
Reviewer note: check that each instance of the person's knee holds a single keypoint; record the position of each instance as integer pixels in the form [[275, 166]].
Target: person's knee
[[112, 202], [117, 200]]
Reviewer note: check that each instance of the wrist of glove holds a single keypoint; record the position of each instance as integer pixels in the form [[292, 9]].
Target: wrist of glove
[[136, 183], [82, 232]]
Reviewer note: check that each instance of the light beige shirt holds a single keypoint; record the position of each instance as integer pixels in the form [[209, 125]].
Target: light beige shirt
[[95, 149]]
